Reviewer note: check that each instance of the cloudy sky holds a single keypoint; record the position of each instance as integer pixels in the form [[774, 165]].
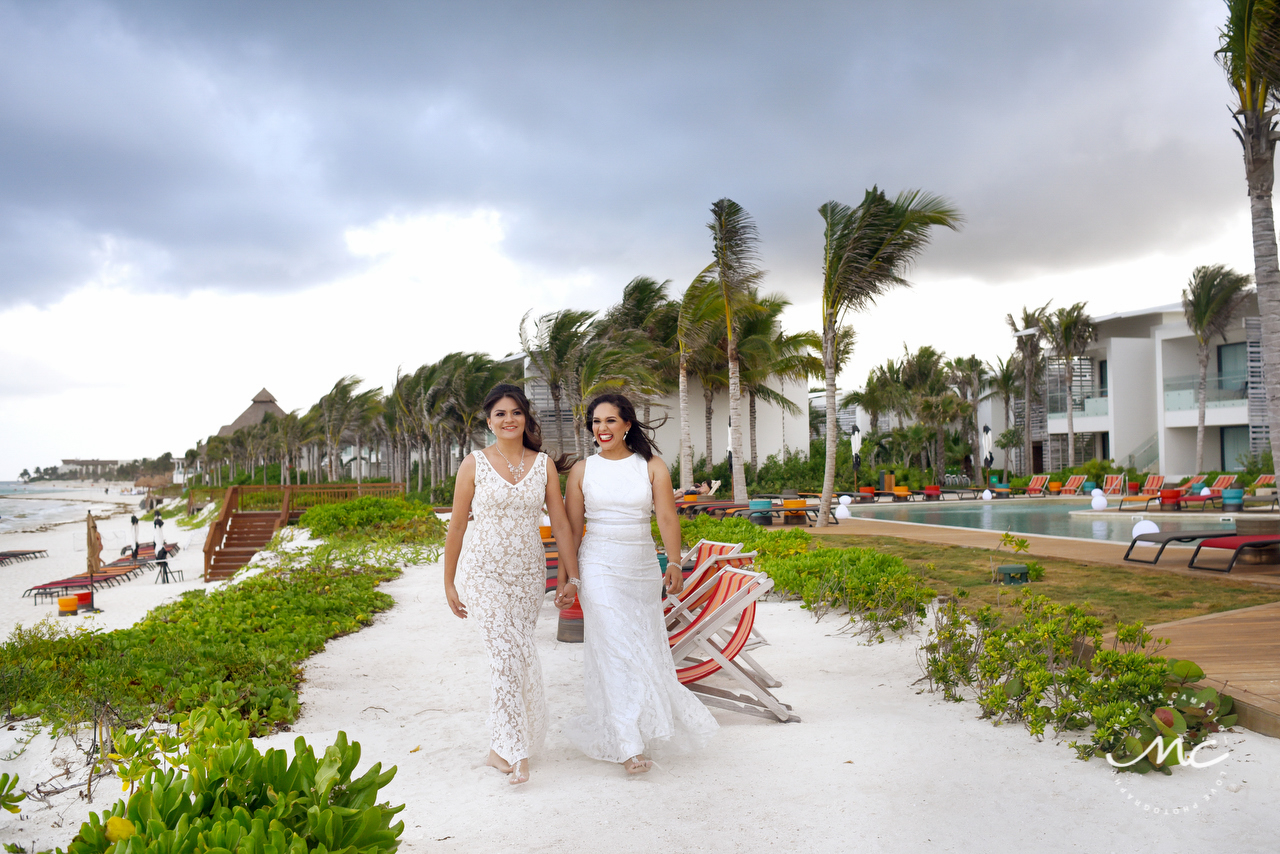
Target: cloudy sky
[[199, 200]]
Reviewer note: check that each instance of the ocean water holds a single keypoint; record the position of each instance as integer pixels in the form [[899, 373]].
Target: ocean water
[[41, 505]]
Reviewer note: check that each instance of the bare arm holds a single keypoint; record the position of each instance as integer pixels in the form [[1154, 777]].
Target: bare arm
[[464, 488], [664, 507], [574, 518], [566, 541]]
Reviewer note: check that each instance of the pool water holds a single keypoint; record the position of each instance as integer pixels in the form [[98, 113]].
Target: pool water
[[1048, 517]]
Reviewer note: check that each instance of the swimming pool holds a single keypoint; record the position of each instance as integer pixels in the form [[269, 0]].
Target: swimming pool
[[1039, 516]]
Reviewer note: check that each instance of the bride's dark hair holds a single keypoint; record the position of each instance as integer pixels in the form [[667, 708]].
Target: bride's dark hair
[[532, 431], [639, 438]]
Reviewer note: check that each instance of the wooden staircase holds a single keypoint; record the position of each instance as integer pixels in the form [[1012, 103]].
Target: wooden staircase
[[252, 514]]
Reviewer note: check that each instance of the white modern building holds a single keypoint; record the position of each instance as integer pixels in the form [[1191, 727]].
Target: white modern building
[[1134, 396]]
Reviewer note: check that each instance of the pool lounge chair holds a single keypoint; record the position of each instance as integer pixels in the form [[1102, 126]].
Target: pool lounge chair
[[1073, 485], [1036, 486], [1236, 545], [1265, 481], [1195, 483], [1153, 485], [1113, 484], [1226, 481], [682, 608], [700, 649], [1164, 538]]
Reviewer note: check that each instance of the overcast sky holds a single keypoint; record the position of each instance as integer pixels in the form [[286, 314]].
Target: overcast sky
[[199, 200]]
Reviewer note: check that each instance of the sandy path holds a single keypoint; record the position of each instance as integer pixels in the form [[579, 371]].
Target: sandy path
[[874, 766]]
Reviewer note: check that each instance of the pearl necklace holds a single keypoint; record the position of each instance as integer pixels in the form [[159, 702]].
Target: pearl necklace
[[515, 470]]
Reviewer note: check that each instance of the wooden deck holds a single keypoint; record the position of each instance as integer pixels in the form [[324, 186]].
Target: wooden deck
[[1241, 651]]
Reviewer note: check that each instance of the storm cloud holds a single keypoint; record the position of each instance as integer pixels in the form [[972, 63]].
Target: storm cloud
[[232, 146]]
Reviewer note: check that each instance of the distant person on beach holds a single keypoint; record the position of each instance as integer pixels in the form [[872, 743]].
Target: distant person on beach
[[503, 566], [697, 489], [635, 703]]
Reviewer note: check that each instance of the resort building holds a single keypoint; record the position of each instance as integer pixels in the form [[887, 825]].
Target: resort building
[[1133, 396], [264, 404], [88, 468]]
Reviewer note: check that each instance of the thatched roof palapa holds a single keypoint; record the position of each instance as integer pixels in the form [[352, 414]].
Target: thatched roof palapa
[[264, 404]]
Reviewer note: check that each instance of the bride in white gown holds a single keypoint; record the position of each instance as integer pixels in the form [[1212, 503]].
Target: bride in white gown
[[635, 704]]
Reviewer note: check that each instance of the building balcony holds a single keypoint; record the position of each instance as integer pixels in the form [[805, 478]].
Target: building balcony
[[1086, 407], [1180, 393]]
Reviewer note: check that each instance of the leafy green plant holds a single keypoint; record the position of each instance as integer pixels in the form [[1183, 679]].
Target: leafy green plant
[[767, 542], [9, 800], [1017, 545]]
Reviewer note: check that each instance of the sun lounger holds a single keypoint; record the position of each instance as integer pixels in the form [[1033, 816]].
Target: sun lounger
[[1153, 485], [1113, 484], [1073, 485], [1236, 545], [1195, 483], [17, 555], [1164, 538], [1035, 487], [1269, 501], [1226, 481], [701, 650], [1265, 481]]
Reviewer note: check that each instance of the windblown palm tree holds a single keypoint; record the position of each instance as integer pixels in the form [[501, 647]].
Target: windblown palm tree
[[867, 251], [553, 350], [646, 311], [1069, 330], [735, 267], [696, 327], [1004, 383], [1210, 302], [1027, 338], [970, 377], [1249, 46]]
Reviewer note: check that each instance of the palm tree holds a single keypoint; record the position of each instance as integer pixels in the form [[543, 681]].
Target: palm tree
[[867, 251], [340, 411], [1005, 380], [938, 411], [969, 374], [552, 351], [1069, 330], [695, 324], [735, 266], [607, 362], [1247, 52], [766, 352], [1027, 338], [647, 312], [1210, 301]]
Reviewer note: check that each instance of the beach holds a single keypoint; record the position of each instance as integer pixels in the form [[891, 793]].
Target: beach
[[876, 764]]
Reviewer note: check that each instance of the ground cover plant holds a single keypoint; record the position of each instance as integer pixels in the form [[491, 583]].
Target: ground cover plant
[[375, 517]]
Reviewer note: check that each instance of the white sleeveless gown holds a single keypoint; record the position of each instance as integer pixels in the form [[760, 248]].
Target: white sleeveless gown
[[502, 580], [635, 704]]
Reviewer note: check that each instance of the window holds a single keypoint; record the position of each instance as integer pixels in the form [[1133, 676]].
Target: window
[[1102, 378], [1232, 367], [1235, 447]]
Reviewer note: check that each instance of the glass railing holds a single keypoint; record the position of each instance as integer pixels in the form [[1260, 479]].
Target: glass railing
[[1083, 406], [1225, 390]]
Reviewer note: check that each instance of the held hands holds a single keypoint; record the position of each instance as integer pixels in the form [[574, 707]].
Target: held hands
[[565, 594], [455, 604], [674, 580]]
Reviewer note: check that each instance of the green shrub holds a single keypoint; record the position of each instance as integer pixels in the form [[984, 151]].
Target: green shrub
[[768, 542], [373, 515]]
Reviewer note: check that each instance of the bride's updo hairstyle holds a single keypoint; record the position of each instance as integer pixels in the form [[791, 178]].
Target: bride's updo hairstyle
[[639, 438], [532, 431]]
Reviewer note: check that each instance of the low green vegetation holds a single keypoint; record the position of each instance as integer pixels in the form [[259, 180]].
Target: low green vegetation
[[173, 701]]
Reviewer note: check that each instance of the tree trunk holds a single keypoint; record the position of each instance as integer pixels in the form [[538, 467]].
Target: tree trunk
[[739, 472], [707, 412], [829, 471], [1259, 157], [358, 463], [1071, 416], [1028, 373], [755, 464], [555, 405], [1201, 397], [686, 437]]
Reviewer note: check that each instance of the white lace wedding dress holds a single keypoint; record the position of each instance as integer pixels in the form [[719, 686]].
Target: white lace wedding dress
[[635, 704], [502, 581]]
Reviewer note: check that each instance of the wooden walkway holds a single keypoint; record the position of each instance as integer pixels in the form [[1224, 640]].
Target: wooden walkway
[[1241, 648]]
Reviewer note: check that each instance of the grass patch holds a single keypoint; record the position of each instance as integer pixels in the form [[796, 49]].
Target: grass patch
[[1113, 594]]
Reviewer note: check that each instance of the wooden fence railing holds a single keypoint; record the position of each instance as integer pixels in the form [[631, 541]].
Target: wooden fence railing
[[286, 500]]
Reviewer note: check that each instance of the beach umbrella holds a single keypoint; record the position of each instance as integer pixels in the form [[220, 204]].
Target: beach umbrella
[[133, 520], [988, 457], [93, 545], [856, 445]]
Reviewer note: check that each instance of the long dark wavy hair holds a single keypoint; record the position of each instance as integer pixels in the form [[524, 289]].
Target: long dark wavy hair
[[532, 430], [639, 438]]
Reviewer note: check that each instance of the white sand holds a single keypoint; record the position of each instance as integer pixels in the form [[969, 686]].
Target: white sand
[[874, 766]]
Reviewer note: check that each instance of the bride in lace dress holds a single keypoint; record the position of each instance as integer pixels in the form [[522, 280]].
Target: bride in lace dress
[[635, 703], [503, 489]]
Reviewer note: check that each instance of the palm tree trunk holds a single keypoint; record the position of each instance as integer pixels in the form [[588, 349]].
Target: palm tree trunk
[[707, 412], [555, 405], [755, 465], [686, 438], [1071, 417], [357, 463], [1260, 169], [829, 471], [1028, 379], [735, 428], [1201, 397]]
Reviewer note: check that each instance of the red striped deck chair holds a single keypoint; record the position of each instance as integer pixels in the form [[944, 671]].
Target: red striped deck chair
[[1194, 484], [701, 648], [1037, 485], [1267, 481], [1225, 481], [1113, 484], [1073, 485], [1153, 484], [698, 592]]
